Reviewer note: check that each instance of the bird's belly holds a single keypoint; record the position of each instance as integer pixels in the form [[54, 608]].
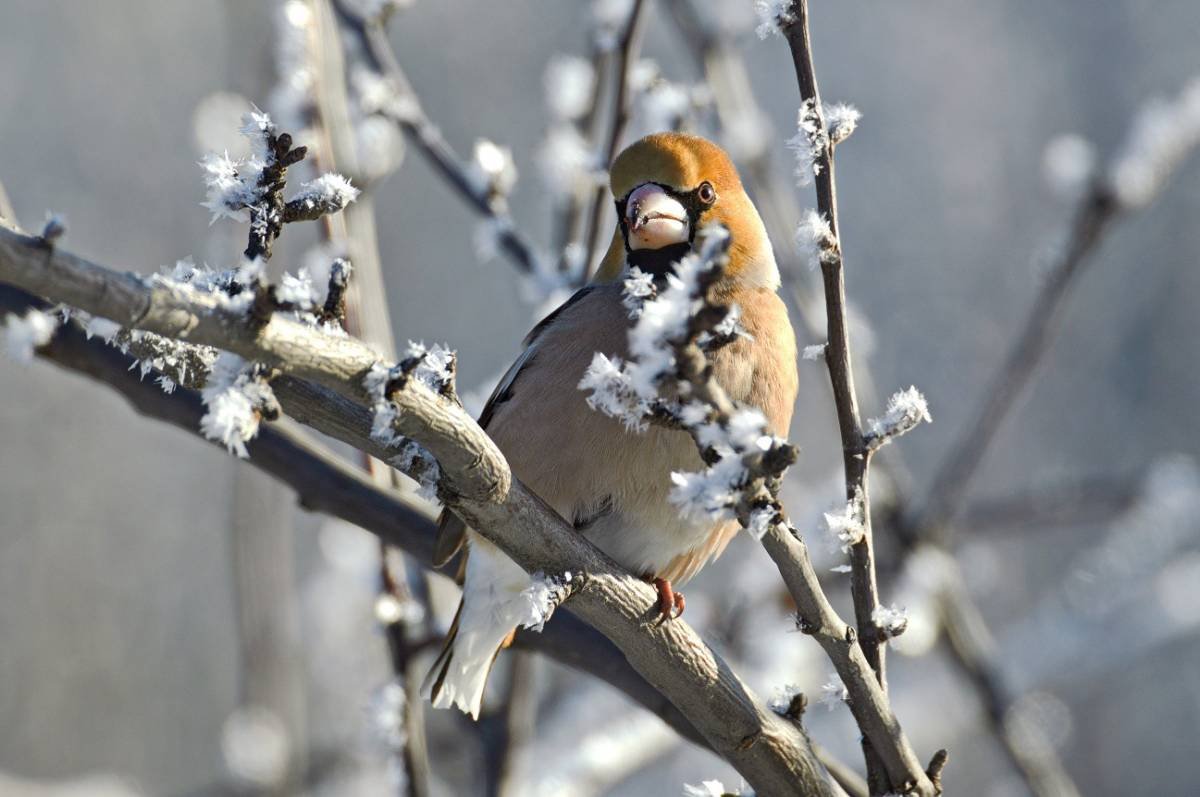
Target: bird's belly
[[644, 531], [646, 542]]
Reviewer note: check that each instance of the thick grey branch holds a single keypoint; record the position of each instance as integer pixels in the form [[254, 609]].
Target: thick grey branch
[[770, 752]]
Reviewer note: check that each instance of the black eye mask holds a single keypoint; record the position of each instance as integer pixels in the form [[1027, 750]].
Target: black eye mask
[[660, 261]]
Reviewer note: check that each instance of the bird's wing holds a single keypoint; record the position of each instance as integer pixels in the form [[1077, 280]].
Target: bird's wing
[[451, 529]]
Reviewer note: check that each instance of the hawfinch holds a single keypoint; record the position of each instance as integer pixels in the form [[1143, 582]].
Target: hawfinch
[[609, 483]]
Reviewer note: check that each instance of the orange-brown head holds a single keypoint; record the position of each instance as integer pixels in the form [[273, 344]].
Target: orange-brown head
[[669, 185]]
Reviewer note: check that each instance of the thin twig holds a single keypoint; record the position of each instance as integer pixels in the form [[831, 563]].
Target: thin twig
[[856, 454], [1070, 501], [628, 47], [520, 720], [949, 487], [365, 315], [972, 650], [476, 483], [428, 138]]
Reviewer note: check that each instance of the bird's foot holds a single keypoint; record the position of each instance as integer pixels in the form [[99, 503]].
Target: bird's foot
[[670, 602]]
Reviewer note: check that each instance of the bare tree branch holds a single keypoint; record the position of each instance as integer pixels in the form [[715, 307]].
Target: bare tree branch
[[428, 138], [630, 43], [325, 483], [856, 451], [1086, 499], [1096, 213], [771, 753]]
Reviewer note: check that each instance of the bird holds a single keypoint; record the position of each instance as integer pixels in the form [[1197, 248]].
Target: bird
[[610, 483]]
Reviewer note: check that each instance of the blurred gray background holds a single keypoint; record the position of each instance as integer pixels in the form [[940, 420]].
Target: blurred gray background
[[118, 646]]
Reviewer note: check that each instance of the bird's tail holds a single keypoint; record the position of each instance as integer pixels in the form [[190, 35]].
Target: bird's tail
[[491, 608]]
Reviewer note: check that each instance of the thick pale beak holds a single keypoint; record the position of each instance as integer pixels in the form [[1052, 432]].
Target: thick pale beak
[[655, 219]]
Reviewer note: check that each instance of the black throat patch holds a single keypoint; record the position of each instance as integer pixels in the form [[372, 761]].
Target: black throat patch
[[658, 262]]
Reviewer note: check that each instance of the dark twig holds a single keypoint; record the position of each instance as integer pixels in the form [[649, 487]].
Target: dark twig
[[428, 138], [1067, 502], [268, 216], [476, 483], [949, 487], [362, 309], [972, 650], [856, 453], [628, 46], [589, 127], [520, 719], [754, 497], [335, 300]]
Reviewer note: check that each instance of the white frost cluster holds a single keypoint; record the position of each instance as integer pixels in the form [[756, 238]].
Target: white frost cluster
[[841, 119], [54, 228], [639, 289], [810, 143], [539, 600], [103, 328], [299, 290], [255, 746], [781, 701], [435, 367], [814, 238], [433, 370], [489, 235], [1163, 133], [714, 788], [814, 352], [712, 492], [567, 163], [378, 95], [387, 715], [1068, 164], [770, 14], [171, 358], [665, 105], [892, 620], [569, 81], [904, 411], [221, 285], [24, 334], [168, 356], [834, 692], [609, 17], [628, 390], [331, 192], [233, 183], [232, 398], [494, 167], [662, 104], [415, 460], [847, 524]]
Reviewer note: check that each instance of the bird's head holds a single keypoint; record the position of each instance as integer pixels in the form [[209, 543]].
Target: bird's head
[[667, 186]]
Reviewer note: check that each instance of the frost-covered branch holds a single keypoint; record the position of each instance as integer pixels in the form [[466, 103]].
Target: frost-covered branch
[[398, 101], [1161, 137], [667, 380], [251, 188], [475, 482], [814, 145]]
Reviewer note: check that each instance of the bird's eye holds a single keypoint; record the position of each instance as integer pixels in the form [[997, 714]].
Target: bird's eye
[[707, 193]]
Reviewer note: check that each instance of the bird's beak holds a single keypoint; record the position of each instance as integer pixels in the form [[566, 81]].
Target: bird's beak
[[654, 218]]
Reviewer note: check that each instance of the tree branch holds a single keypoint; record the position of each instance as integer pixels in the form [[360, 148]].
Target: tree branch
[[631, 40], [771, 753], [407, 112], [1098, 210], [856, 453]]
